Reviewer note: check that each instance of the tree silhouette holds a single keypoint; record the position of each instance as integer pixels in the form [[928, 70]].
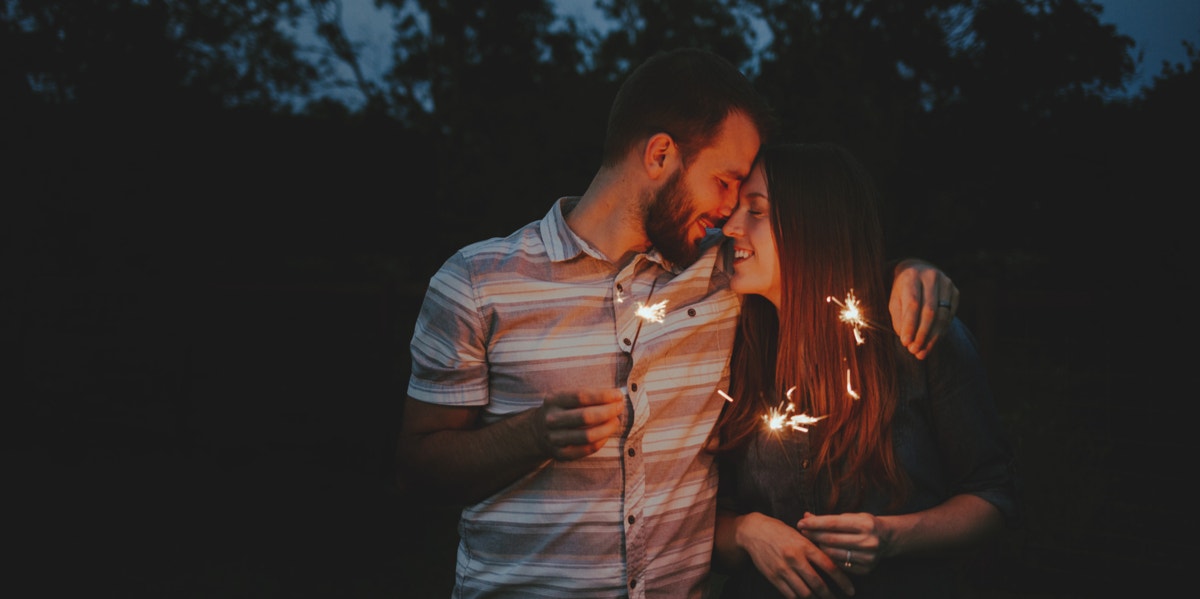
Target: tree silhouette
[[171, 208], [147, 55], [498, 91]]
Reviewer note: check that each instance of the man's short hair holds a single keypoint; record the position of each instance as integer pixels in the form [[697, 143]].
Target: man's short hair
[[686, 93]]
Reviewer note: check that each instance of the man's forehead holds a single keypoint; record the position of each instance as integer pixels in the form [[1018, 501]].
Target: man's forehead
[[727, 163], [735, 147]]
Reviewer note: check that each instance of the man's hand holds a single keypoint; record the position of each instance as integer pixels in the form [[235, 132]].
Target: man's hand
[[452, 456], [576, 424], [923, 303]]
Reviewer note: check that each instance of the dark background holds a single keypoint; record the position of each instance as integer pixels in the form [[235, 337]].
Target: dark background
[[208, 288]]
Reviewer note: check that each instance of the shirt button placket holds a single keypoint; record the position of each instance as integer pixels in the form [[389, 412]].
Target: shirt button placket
[[635, 485]]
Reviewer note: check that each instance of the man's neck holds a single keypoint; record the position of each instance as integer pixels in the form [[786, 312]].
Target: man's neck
[[608, 217]]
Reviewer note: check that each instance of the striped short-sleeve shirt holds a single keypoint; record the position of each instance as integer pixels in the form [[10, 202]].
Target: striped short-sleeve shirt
[[507, 321]]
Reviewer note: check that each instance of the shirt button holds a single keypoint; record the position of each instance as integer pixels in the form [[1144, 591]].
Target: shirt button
[[691, 311], [633, 584], [631, 452], [625, 341], [633, 387], [631, 519]]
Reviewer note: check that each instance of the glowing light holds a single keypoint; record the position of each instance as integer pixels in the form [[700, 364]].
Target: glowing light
[[725, 395], [853, 315], [849, 387], [782, 416], [653, 312]]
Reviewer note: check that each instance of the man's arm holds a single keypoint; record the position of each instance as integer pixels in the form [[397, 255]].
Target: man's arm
[[923, 303], [446, 451]]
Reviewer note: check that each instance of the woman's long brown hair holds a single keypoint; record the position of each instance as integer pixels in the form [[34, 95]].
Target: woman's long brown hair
[[828, 232]]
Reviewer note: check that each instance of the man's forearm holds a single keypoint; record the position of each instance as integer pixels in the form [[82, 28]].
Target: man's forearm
[[465, 466]]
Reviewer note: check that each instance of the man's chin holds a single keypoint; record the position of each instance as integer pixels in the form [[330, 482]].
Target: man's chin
[[683, 255]]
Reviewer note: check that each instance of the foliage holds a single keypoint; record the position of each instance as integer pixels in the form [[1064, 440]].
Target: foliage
[[152, 53], [989, 123], [156, 145]]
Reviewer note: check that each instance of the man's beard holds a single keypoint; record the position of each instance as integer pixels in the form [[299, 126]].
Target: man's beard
[[668, 220]]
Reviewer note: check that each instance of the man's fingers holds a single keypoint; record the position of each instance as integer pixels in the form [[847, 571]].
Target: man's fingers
[[584, 408], [585, 397], [586, 435], [592, 416], [940, 306], [575, 443], [576, 424]]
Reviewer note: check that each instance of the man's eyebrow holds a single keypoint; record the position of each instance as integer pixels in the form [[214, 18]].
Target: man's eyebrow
[[734, 174]]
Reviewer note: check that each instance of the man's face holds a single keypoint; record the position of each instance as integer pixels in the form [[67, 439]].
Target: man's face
[[703, 194]]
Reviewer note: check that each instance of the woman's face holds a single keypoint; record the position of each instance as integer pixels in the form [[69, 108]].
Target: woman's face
[[756, 261]]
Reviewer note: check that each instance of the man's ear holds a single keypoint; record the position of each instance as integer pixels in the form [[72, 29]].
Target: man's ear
[[660, 151]]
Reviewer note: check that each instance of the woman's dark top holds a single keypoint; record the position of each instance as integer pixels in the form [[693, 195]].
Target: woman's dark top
[[948, 438]]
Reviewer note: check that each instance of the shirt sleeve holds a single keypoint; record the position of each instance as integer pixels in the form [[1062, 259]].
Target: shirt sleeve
[[962, 413], [449, 357]]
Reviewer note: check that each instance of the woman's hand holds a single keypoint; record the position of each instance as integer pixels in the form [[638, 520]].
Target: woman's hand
[[787, 559], [856, 542]]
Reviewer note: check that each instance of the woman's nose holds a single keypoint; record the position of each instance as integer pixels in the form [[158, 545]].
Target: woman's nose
[[732, 227]]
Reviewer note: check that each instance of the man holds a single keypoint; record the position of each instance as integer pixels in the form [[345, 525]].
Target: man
[[567, 421]]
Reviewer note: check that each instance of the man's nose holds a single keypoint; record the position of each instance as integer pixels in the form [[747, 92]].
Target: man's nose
[[728, 204]]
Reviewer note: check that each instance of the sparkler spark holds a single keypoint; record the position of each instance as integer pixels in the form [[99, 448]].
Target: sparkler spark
[[725, 395], [849, 387], [852, 315], [778, 418], [653, 312]]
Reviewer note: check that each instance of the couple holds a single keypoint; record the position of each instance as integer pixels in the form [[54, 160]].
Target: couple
[[581, 434]]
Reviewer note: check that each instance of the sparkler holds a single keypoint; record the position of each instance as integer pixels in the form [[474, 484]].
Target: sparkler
[[648, 313], [782, 416], [652, 313], [777, 418], [852, 315]]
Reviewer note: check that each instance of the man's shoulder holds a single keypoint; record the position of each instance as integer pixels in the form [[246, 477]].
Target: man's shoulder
[[524, 238]]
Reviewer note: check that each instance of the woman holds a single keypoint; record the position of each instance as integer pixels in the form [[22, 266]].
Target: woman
[[900, 463]]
